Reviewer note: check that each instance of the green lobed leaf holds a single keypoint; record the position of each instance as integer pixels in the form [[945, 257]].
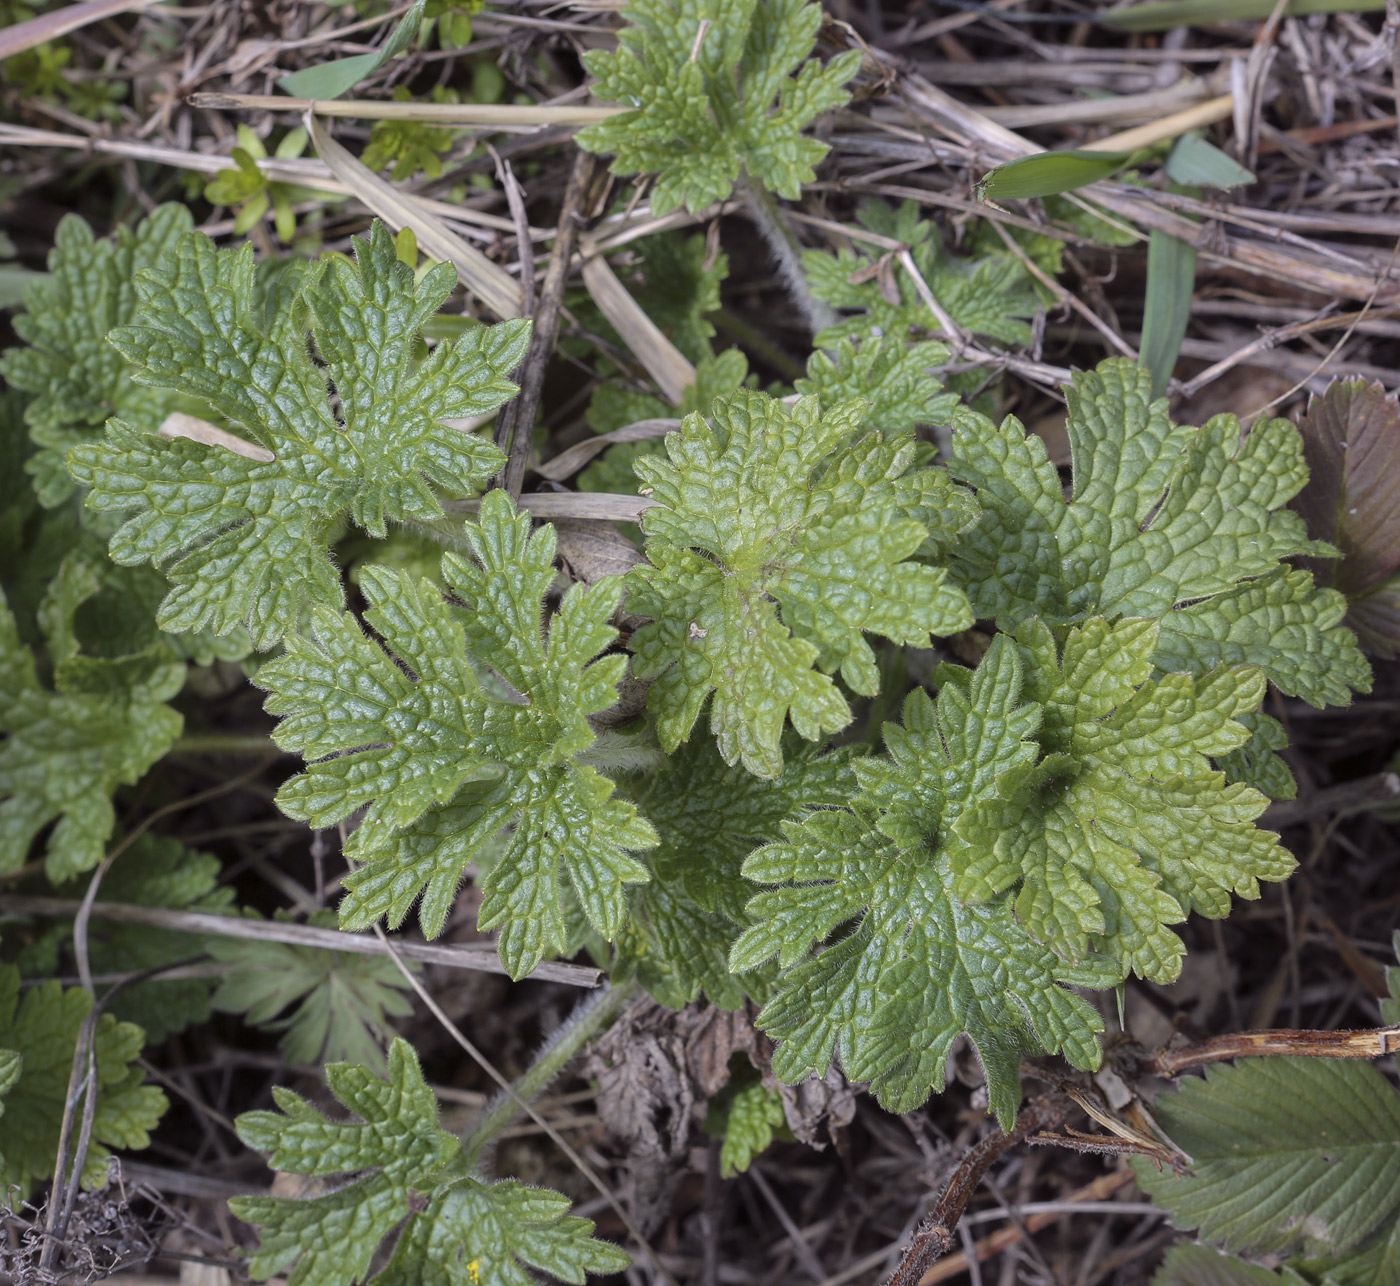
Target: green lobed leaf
[[1122, 829], [396, 1148], [1258, 763], [709, 817], [474, 1232], [748, 1122], [989, 293], [790, 514], [1288, 1154], [918, 966], [407, 728], [892, 376], [701, 78], [1180, 524], [101, 725], [244, 540], [38, 1034], [78, 378], [344, 1002]]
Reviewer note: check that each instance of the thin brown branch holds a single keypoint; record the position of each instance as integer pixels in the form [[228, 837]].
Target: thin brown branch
[[1372, 1042], [482, 957], [515, 424], [934, 1238]]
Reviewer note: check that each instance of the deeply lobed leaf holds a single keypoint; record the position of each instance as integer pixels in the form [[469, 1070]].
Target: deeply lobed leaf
[[709, 817], [101, 725], [244, 540], [1122, 828], [343, 1002], [1180, 524], [38, 1034], [329, 1240], [80, 380], [702, 77], [771, 508], [409, 729], [988, 294], [919, 967]]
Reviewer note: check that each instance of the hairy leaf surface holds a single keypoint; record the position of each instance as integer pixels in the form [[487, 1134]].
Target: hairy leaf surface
[[38, 1033], [488, 1232], [1180, 524], [100, 725], [777, 544], [709, 818], [1122, 828], [409, 729], [78, 377], [920, 966], [244, 540], [702, 77], [329, 1240]]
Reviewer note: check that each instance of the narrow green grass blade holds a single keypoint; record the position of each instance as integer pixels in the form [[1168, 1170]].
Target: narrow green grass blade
[[331, 80], [1050, 173], [1193, 160], [1171, 282], [1163, 15]]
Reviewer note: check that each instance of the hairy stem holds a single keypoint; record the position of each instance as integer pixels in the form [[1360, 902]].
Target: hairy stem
[[589, 1019], [768, 216]]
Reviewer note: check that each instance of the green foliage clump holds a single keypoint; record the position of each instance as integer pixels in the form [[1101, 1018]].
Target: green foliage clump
[[71, 741], [78, 379], [989, 294], [824, 528], [918, 966], [411, 147], [701, 78], [243, 538], [38, 1034], [444, 762], [709, 817], [458, 1229]]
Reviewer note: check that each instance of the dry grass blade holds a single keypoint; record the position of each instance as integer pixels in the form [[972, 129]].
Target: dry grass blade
[[596, 506], [50, 26], [1173, 126], [303, 172], [570, 461], [664, 362], [179, 425], [495, 287], [482, 958], [496, 115]]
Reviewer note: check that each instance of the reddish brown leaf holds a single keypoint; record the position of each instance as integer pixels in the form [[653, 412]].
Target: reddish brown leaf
[[1351, 437]]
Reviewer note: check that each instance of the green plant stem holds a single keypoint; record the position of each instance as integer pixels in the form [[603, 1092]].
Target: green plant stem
[[769, 217], [221, 743], [587, 1021]]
